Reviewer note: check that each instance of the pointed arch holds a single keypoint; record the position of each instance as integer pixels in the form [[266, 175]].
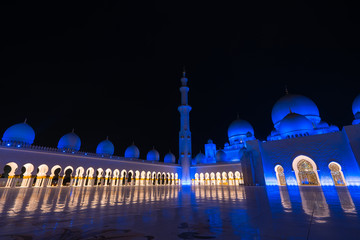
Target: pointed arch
[[305, 171], [280, 176], [337, 174]]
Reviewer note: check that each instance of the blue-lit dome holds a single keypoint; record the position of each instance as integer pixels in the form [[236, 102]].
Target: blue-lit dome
[[356, 106], [70, 141], [105, 147], [132, 152], [19, 133], [169, 158], [295, 123], [153, 155], [298, 104], [220, 156], [200, 158], [240, 127]]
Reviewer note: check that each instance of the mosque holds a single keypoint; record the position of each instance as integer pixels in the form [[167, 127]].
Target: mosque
[[301, 150]]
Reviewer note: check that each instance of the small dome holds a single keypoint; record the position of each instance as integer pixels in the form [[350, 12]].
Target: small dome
[[132, 152], [298, 104], [210, 141], [220, 156], [200, 158], [294, 122], [19, 133], [322, 124], [153, 155], [356, 106], [105, 147], [70, 141], [240, 127], [170, 158]]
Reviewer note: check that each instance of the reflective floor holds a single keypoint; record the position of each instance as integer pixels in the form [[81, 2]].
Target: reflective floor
[[174, 212]]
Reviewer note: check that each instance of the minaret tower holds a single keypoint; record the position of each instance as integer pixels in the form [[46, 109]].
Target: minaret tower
[[184, 134]]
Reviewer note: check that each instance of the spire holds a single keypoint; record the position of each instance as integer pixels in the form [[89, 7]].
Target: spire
[[107, 137], [73, 130], [183, 78], [25, 120], [237, 116], [184, 71], [286, 90]]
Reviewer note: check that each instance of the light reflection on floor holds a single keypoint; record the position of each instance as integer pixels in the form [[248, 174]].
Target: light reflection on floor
[[174, 212]]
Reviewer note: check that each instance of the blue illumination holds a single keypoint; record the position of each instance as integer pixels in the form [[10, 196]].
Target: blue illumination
[[153, 155], [132, 152], [70, 141], [169, 158], [21, 133], [105, 147], [298, 104]]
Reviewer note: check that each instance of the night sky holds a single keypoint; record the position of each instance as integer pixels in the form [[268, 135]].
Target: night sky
[[113, 69]]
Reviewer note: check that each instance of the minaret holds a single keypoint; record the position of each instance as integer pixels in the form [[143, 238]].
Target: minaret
[[184, 134]]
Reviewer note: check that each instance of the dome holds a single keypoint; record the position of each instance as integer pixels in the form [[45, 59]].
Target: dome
[[240, 127], [169, 158], [200, 158], [294, 122], [356, 105], [19, 133], [220, 156], [132, 152], [105, 147], [298, 104], [70, 141], [153, 155]]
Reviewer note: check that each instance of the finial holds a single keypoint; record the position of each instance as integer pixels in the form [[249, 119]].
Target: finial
[[286, 90], [73, 130], [107, 137], [290, 110], [184, 71], [237, 116], [25, 120]]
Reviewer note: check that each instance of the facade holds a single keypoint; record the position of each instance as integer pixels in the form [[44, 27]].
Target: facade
[[301, 150]]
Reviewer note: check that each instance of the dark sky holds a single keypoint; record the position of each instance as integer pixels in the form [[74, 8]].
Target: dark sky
[[114, 68]]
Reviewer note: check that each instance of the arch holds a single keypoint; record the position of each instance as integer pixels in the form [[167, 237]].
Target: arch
[[123, 177], [218, 178], [176, 178], [98, 177], [40, 178], [154, 178], [172, 182], [130, 177], [66, 179], [143, 179], [280, 176], [79, 174], [158, 175], [89, 177], [196, 181], [305, 171], [167, 181], [337, 174], [137, 178], [115, 178], [107, 181], [207, 178], [231, 178], [148, 178], [212, 178], [224, 178], [202, 179], [54, 176], [8, 175]]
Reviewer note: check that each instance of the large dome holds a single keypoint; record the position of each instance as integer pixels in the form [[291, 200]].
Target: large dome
[[200, 158], [240, 127], [220, 156], [169, 158], [356, 105], [153, 155], [297, 104], [70, 141], [132, 152], [19, 133], [105, 147], [295, 123]]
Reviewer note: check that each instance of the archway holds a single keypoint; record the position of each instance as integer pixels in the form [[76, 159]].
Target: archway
[[201, 178], [158, 178], [280, 176], [78, 177], [40, 178], [212, 177], [54, 177], [89, 177], [154, 182], [231, 178], [148, 178], [137, 178], [163, 179], [224, 178], [8, 175], [67, 176], [337, 174], [115, 179], [130, 176], [107, 177], [123, 177], [207, 178], [305, 171]]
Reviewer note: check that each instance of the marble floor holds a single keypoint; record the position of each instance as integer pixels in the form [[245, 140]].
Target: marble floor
[[174, 212]]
